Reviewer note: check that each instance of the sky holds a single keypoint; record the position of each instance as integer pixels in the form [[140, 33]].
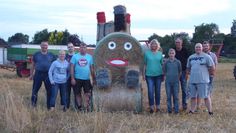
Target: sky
[[147, 17]]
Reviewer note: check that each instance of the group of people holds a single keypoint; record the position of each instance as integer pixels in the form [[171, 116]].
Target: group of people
[[69, 71], [198, 69], [73, 71]]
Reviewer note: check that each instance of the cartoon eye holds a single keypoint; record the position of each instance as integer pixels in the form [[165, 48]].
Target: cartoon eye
[[111, 45], [127, 46]]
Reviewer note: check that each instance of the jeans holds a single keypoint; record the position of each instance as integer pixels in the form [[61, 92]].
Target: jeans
[[154, 87], [40, 77], [172, 89], [68, 92], [183, 83], [54, 91]]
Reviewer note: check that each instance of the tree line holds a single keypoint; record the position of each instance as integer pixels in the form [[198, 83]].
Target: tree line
[[202, 32]]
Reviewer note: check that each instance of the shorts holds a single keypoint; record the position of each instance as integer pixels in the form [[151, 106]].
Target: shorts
[[85, 84], [199, 89]]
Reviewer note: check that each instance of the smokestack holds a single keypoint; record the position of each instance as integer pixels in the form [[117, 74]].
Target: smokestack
[[127, 20], [119, 21], [101, 20]]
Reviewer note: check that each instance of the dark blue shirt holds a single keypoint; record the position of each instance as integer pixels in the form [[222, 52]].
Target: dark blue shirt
[[43, 61]]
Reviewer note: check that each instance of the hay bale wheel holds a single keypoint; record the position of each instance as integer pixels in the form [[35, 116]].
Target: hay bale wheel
[[118, 60]]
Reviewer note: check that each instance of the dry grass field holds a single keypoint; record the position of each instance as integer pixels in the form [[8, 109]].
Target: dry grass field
[[17, 116]]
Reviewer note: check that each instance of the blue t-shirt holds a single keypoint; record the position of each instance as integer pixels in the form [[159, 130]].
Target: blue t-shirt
[[43, 61], [82, 65]]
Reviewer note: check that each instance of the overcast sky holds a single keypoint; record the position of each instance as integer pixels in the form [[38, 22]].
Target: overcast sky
[[147, 16]]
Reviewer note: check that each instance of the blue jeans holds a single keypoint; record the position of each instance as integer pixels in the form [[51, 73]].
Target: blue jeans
[[40, 77], [183, 83], [68, 93], [172, 89], [154, 87], [62, 87]]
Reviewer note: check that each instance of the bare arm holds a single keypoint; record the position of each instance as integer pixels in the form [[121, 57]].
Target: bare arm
[[32, 70], [92, 72], [144, 71], [211, 70], [72, 70]]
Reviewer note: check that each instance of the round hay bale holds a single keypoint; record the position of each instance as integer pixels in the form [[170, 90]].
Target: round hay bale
[[118, 60]]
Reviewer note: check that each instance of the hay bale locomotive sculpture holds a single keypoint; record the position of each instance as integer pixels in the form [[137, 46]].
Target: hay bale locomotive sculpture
[[118, 60]]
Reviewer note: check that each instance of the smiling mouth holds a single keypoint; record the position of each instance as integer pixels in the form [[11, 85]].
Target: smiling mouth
[[117, 62]]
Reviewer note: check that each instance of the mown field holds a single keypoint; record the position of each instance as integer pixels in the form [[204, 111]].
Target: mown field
[[17, 116]]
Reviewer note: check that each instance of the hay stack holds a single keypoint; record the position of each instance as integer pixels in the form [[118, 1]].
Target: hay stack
[[103, 54], [118, 60]]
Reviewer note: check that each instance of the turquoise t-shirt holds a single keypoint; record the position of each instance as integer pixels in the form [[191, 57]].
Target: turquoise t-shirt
[[153, 62], [82, 65]]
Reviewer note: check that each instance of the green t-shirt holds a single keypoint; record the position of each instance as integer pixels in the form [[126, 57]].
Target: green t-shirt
[[153, 62]]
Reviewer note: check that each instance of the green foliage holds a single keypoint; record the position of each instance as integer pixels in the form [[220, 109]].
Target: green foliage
[[40, 36], [205, 32], [168, 41], [2, 42], [56, 37], [19, 38], [229, 44]]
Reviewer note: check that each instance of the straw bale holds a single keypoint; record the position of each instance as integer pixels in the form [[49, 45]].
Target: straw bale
[[103, 54]]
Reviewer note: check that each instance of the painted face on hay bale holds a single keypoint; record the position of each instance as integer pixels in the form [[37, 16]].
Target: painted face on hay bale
[[118, 62], [117, 53]]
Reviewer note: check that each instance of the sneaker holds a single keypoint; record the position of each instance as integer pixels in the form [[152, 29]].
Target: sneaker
[[151, 111], [169, 112], [64, 109], [197, 110], [190, 112], [210, 113]]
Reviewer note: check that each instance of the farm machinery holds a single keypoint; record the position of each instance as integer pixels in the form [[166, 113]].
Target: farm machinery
[[21, 56]]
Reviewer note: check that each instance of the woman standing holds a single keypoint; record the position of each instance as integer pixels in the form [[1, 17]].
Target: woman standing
[[58, 75], [152, 73]]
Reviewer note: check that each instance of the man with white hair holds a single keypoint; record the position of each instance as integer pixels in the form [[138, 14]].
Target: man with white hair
[[200, 65]]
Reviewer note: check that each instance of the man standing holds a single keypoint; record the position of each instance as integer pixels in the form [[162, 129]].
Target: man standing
[[182, 55], [207, 50], [200, 66], [41, 63], [71, 52], [81, 70]]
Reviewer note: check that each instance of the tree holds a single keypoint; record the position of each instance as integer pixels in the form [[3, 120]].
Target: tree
[[40, 36], [19, 38], [55, 38], [233, 29], [205, 32], [3, 42], [168, 41], [74, 39]]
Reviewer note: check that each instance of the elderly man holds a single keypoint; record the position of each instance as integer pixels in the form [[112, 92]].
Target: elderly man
[[200, 66], [41, 63]]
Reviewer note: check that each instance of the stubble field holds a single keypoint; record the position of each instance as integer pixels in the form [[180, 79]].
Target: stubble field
[[17, 116]]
